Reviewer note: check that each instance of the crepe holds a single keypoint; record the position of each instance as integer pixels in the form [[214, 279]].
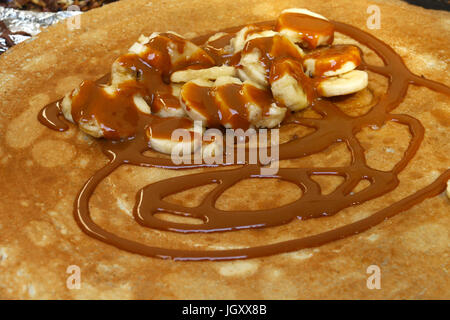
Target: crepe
[[42, 172]]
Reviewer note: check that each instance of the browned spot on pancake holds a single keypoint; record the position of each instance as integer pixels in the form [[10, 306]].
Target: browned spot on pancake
[[426, 238], [177, 219], [67, 84], [238, 268], [258, 194], [94, 37], [290, 132], [334, 156], [363, 184], [24, 129], [388, 140], [91, 291], [328, 183], [442, 116], [379, 154], [192, 197], [355, 104], [53, 153], [416, 175], [45, 61], [183, 284], [41, 233]]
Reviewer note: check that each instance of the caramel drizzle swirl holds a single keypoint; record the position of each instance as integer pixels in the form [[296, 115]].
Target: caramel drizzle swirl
[[334, 126]]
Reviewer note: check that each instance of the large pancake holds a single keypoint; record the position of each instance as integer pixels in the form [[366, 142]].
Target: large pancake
[[42, 171]]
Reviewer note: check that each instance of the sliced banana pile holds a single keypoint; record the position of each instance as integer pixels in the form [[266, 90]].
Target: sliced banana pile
[[335, 66], [230, 103], [246, 79], [331, 61], [181, 137], [295, 24], [139, 75], [163, 138], [259, 53], [249, 33], [290, 86], [85, 107], [169, 51], [208, 74]]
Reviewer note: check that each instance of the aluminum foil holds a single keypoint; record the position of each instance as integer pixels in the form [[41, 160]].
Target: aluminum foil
[[23, 25]]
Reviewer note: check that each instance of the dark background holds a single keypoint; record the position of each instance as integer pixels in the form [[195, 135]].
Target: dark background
[[432, 4]]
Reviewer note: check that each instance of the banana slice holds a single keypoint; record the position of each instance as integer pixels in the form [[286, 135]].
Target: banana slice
[[252, 68], [130, 70], [263, 112], [149, 64], [258, 54], [215, 37], [173, 135], [176, 89], [289, 85], [166, 102], [121, 74], [141, 104], [89, 126], [139, 46], [182, 137], [238, 42], [221, 81], [66, 105], [248, 33], [105, 111], [332, 61], [305, 27], [197, 100], [208, 73], [168, 52], [230, 103], [246, 105], [343, 84], [448, 189], [304, 11], [219, 47]]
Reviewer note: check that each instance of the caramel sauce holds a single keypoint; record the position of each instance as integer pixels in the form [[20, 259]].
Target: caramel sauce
[[117, 114], [156, 92], [334, 126], [165, 100], [293, 68], [163, 127], [50, 116], [272, 48], [118, 120], [261, 97], [226, 105], [216, 49], [232, 105], [333, 58], [158, 54], [203, 101], [310, 28]]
